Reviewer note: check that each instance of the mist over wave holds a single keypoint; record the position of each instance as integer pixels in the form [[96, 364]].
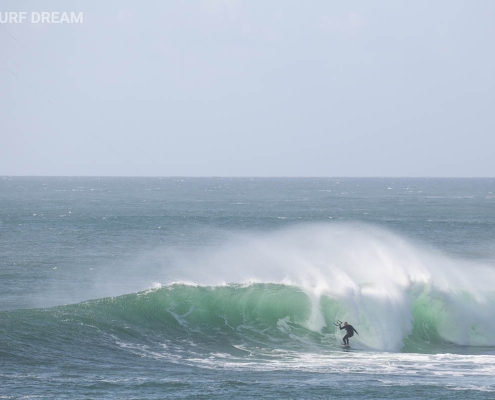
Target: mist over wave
[[394, 292]]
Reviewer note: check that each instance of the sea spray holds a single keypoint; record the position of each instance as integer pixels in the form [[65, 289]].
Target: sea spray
[[373, 275]]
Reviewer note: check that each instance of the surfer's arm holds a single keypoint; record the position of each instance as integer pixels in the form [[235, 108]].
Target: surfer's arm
[[355, 330]]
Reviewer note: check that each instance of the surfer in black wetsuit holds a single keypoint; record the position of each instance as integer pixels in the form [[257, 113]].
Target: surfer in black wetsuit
[[350, 332]]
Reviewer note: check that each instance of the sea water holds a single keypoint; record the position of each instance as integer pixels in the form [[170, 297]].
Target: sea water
[[150, 288]]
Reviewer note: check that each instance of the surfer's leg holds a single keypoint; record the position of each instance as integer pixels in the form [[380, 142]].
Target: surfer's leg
[[346, 339]]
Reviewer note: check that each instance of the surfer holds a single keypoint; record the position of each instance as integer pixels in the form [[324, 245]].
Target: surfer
[[350, 332]]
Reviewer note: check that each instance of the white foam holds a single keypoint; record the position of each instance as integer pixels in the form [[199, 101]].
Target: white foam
[[370, 271]]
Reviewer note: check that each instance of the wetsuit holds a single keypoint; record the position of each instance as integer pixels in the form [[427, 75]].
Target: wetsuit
[[350, 333]]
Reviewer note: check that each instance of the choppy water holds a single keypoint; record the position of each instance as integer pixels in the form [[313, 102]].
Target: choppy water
[[210, 288]]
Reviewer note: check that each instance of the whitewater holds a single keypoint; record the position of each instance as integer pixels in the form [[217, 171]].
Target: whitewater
[[221, 287]]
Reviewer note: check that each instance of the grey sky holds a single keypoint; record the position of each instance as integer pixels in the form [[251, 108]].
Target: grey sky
[[250, 88]]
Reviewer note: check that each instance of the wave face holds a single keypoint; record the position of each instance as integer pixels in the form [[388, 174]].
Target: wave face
[[283, 290]]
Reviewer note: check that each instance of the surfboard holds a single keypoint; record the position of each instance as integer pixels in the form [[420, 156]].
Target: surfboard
[[345, 346]]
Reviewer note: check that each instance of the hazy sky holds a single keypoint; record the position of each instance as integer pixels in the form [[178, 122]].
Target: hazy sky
[[250, 88]]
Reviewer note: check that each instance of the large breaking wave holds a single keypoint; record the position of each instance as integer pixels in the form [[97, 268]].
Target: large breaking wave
[[285, 290]]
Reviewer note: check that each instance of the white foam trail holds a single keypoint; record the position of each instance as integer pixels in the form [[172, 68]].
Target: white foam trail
[[370, 271]]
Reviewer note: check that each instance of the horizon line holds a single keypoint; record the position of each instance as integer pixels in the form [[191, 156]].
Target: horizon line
[[248, 177]]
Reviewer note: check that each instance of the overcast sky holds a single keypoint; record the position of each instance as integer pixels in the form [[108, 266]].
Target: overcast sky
[[250, 88]]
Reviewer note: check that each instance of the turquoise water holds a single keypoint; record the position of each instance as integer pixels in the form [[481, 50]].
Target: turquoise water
[[213, 288]]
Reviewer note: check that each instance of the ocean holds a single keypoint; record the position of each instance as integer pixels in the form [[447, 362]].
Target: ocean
[[153, 288]]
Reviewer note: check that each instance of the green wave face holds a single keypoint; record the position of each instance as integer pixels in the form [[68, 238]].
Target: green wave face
[[234, 314], [195, 321], [455, 321]]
